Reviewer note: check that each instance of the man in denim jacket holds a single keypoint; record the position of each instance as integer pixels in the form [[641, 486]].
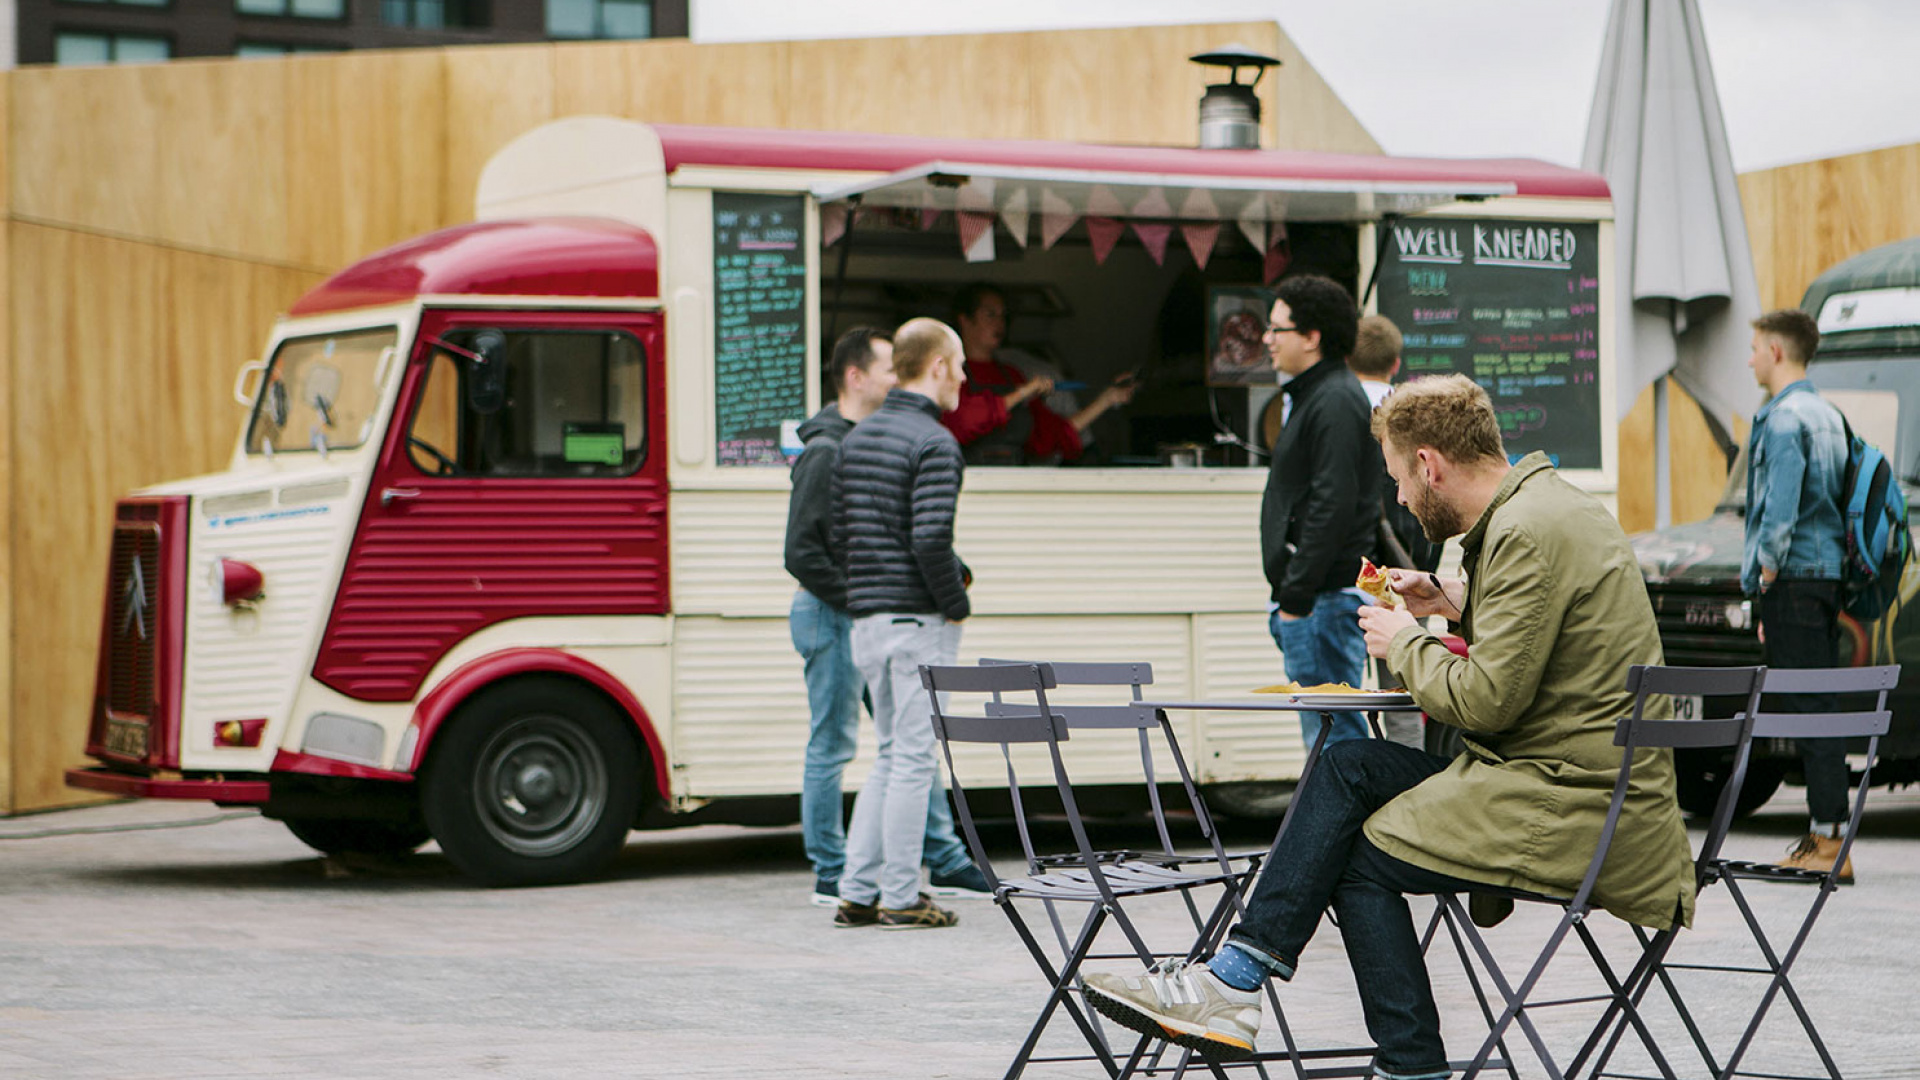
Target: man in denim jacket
[[1796, 464]]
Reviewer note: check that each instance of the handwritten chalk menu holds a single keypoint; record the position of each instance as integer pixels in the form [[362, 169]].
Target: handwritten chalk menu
[[1515, 306], [759, 336]]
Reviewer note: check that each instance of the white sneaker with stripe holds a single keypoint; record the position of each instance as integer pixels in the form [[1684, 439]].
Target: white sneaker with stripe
[[1183, 1003]]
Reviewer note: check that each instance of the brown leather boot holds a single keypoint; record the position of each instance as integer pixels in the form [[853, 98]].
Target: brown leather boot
[[1817, 853]]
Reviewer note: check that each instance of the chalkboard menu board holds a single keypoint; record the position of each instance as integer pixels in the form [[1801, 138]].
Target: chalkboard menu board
[[760, 324], [1514, 305]]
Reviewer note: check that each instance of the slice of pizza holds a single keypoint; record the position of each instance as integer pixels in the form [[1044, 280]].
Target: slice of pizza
[[1373, 581]]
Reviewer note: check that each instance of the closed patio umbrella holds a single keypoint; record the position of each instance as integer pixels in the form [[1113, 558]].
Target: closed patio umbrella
[[1680, 238]]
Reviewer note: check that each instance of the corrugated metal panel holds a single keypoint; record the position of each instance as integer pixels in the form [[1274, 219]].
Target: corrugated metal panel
[[459, 555], [1237, 654], [1038, 553], [247, 663]]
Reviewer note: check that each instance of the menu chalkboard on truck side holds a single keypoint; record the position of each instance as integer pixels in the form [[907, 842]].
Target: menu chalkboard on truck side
[[759, 325], [1513, 305]]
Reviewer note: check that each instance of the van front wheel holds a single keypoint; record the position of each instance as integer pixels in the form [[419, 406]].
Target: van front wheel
[[535, 783]]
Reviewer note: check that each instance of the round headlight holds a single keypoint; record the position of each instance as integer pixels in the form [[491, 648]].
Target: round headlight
[[1740, 615]]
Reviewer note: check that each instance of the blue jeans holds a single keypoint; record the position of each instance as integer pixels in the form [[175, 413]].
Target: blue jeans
[[822, 634], [1322, 860], [1325, 647]]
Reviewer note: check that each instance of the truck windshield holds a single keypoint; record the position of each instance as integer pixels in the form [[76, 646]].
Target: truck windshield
[[320, 393]]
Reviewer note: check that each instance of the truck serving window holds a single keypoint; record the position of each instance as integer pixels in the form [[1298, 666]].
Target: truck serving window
[[320, 393], [562, 403]]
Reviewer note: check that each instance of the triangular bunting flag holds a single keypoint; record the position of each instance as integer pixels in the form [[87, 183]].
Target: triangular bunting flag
[[1103, 233], [1199, 206], [1014, 216], [1057, 215], [1278, 256], [1153, 205], [1200, 240], [1153, 236], [976, 235], [1253, 226], [833, 223], [1104, 203], [929, 213]]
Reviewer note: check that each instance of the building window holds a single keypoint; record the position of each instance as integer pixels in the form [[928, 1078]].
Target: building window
[[599, 18], [299, 9], [254, 50], [434, 14], [70, 48]]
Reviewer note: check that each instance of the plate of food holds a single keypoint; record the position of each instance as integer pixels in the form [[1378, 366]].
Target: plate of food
[[1339, 696]]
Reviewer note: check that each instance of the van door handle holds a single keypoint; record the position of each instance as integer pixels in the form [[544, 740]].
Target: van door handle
[[387, 496]]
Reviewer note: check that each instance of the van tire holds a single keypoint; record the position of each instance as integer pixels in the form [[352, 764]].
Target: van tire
[[534, 782], [361, 836]]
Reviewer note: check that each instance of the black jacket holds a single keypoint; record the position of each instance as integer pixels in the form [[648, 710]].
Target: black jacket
[[1321, 510], [894, 495], [810, 508]]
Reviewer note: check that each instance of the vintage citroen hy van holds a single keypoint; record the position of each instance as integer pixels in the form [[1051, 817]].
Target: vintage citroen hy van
[[497, 560]]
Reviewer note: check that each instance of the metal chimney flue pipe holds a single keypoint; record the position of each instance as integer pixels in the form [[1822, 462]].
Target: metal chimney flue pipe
[[1230, 111]]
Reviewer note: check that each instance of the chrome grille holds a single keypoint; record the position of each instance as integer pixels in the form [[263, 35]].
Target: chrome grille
[[1694, 631], [133, 627]]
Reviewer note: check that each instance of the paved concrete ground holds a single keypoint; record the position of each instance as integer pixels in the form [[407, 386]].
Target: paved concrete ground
[[229, 950]]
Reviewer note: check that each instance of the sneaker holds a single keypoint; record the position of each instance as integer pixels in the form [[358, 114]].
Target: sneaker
[[851, 915], [1816, 853], [966, 883], [1183, 1003], [826, 892], [924, 915]]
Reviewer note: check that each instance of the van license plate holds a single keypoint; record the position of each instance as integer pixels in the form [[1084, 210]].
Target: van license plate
[[1688, 707], [126, 738]]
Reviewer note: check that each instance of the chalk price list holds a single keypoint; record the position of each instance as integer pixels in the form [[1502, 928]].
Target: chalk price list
[[760, 352], [1515, 307]]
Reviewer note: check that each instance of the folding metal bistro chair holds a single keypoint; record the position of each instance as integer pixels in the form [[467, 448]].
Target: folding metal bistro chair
[[1018, 713], [1832, 683], [1633, 733]]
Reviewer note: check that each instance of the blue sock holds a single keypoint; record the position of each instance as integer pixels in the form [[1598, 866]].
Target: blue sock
[[1231, 965]]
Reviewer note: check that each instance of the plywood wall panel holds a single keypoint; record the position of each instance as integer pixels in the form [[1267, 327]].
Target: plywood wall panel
[[221, 180], [492, 95], [958, 85], [676, 82], [86, 146], [1804, 218], [100, 407], [366, 153], [1635, 497], [82, 403]]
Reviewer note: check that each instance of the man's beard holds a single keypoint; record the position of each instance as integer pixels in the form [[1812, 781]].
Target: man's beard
[[1438, 518]]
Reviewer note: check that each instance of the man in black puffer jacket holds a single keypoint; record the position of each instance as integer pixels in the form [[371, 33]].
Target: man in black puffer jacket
[[862, 370], [894, 497]]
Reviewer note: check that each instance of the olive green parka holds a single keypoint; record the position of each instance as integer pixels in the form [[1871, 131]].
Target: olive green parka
[[1556, 613]]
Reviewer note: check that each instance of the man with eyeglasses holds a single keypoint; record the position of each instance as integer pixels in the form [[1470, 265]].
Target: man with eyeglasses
[[1322, 503]]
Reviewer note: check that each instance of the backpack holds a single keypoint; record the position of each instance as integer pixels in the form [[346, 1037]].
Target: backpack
[[1873, 513]]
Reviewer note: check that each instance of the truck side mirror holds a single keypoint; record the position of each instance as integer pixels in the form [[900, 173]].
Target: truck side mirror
[[487, 381]]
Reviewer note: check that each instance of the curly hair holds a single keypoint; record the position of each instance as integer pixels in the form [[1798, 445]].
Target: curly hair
[[1323, 304]]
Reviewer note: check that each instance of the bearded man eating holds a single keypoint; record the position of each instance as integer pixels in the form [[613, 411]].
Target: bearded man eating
[[1555, 613]]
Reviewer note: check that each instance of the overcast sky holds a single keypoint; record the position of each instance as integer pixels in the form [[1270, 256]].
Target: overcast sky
[[1798, 79]]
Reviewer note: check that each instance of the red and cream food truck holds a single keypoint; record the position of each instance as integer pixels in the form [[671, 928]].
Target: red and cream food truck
[[497, 559]]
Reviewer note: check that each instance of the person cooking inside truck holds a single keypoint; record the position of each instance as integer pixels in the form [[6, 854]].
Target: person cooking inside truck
[[1010, 412]]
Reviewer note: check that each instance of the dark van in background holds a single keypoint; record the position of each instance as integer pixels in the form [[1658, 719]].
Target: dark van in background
[[1868, 365]]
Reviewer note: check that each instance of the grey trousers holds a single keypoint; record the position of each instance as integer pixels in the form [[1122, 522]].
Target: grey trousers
[[889, 825]]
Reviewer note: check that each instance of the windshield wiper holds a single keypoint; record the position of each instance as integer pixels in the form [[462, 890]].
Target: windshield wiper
[[326, 408]]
